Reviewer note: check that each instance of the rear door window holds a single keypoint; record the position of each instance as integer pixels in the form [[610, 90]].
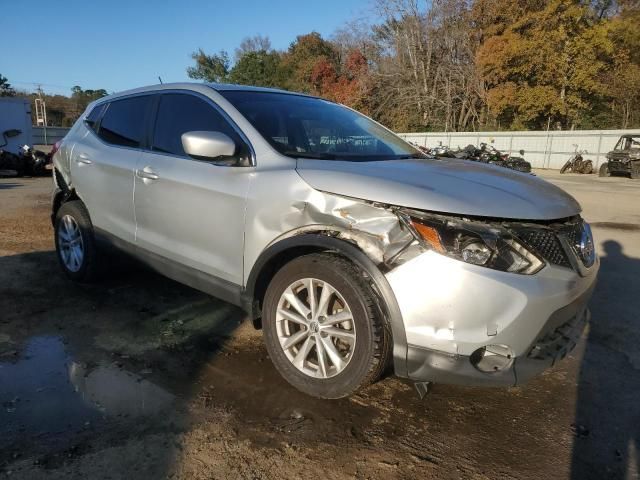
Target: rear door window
[[179, 113], [124, 121]]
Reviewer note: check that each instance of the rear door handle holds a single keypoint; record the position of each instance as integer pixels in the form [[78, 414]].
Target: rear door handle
[[147, 173], [83, 158]]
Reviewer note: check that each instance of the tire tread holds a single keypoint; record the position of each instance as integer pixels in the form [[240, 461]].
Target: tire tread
[[380, 331]]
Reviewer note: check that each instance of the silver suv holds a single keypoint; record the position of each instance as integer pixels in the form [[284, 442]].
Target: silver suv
[[352, 250]]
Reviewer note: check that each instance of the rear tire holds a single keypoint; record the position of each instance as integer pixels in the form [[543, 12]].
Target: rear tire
[[321, 355], [75, 242], [587, 167], [604, 170]]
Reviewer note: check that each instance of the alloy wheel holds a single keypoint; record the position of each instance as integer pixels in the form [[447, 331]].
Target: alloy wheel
[[315, 328], [70, 243]]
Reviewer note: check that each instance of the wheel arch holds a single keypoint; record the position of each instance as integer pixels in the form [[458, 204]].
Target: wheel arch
[[278, 254], [62, 194]]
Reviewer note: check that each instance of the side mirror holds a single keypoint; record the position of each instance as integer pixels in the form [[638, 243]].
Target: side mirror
[[210, 146], [521, 152]]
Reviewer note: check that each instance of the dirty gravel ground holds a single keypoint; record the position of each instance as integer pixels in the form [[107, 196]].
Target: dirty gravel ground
[[140, 377]]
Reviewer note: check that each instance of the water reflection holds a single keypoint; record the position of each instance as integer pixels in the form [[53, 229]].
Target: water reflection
[[47, 392], [118, 392]]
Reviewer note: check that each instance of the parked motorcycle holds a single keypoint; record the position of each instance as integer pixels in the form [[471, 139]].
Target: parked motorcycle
[[577, 163], [484, 153], [489, 154], [34, 161], [27, 161]]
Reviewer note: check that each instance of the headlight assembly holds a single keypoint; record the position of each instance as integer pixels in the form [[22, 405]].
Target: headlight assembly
[[475, 242]]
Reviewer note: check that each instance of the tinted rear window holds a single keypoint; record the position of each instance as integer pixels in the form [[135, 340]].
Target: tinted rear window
[[94, 115], [124, 121]]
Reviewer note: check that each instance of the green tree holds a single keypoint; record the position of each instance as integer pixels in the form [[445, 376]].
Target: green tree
[[211, 68], [6, 90], [260, 68], [299, 61], [80, 98]]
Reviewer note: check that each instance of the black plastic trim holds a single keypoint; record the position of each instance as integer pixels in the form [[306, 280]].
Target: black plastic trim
[[215, 286]]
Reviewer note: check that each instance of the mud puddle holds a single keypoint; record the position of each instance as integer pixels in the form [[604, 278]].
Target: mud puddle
[[46, 395], [246, 382]]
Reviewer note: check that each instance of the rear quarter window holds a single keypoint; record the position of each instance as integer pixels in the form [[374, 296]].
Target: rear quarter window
[[92, 119], [123, 122]]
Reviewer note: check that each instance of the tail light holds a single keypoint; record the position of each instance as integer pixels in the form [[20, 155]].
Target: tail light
[[56, 147]]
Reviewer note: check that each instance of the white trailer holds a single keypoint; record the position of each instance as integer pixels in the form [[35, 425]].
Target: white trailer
[[15, 114]]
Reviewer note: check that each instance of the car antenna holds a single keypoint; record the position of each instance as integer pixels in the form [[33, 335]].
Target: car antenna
[[160, 80]]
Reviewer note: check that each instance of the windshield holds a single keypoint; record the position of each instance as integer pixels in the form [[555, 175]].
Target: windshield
[[308, 127]]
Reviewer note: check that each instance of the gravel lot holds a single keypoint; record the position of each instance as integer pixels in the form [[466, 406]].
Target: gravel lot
[[139, 377]]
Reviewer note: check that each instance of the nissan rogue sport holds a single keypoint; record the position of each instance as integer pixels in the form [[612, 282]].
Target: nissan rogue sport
[[349, 248]]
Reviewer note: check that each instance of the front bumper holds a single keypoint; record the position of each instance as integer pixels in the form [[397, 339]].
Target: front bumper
[[450, 309], [616, 166]]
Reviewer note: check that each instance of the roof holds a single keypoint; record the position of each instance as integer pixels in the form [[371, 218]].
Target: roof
[[630, 135], [219, 87], [226, 87]]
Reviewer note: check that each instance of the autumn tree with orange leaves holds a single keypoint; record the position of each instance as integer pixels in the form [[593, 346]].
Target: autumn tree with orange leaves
[[463, 64]]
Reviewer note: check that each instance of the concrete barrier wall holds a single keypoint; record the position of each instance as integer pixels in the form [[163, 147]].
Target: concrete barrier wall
[[543, 149]]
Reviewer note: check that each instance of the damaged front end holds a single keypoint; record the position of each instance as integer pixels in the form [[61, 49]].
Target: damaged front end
[[478, 301], [475, 295], [467, 298], [391, 236]]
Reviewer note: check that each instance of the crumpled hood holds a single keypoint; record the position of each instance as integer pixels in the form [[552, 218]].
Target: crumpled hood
[[443, 185]]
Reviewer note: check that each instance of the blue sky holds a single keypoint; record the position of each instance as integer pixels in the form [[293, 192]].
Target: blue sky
[[116, 44]]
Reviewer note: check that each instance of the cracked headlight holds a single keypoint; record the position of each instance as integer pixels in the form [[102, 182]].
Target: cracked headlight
[[479, 243]]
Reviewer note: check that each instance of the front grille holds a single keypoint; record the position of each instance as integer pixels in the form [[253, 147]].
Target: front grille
[[546, 244], [544, 241], [573, 232]]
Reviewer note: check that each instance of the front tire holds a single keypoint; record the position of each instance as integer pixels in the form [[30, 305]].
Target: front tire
[[565, 167], [604, 170], [322, 327], [75, 242]]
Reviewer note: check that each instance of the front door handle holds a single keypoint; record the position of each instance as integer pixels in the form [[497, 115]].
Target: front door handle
[[83, 158], [147, 173]]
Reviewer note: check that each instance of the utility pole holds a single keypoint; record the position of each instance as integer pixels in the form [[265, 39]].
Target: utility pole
[[41, 113]]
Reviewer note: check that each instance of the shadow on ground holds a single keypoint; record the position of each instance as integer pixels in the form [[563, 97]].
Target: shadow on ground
[[607, 424], [86, 368]]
